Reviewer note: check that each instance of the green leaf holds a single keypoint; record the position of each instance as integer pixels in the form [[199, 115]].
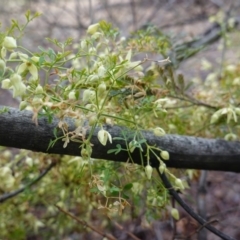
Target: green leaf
[[114, 189], [118, 138], [51, 54], [55, 132], [51, 144], [127, 187], [116, 150], [4, 110], [41, 60]]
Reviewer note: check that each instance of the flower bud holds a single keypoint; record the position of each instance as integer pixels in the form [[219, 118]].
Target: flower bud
[[72, 95], [132, 145], [6, 84], [164, 155], [4, 171], [88, 95], [35, 59], [7, 154], [39, 89], [101, 71], [22, 105], [92, 50], [175, 213], [102, 88], [90, 106], [83, 44], [92, 78], [7, 179], [23, 56], [93, 28], [92, 120], [179, 184], [96, 35], [9, 43], [19, 87], [37, 101], [162, 168], [148, 171], [159, 132], [29, 161], [13, 55], [215, 117]]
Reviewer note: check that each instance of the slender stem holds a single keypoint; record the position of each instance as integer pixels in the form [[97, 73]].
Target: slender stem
[[189, 210], [85, 224]]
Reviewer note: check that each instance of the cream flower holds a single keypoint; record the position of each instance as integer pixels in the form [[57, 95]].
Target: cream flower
[[9, 43], [18, 86], [103, 136], [88, 95], [28, 65]]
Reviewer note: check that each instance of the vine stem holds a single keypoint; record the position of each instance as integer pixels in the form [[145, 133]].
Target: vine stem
[[189, 210]]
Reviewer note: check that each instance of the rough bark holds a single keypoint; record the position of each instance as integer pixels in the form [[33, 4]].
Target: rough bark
[[19, 131]]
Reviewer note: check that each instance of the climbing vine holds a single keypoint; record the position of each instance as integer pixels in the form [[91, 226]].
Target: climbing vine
[[102, 79]]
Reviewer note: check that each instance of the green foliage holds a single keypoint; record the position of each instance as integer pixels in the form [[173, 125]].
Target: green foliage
[[103, 80]]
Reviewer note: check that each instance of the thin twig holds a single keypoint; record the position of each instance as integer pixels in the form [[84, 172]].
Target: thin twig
[[85, 224], [201, 202], [205, 224], [194, 101], [7, 196], [223, 213], [189, 210], [127, 232]]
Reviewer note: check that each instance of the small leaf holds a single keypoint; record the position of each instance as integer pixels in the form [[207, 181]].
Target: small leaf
[[127, 187], [41, 60], [111, 151]]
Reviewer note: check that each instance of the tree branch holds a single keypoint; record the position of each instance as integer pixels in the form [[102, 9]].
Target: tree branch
[[18, 130], [186, 50]]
